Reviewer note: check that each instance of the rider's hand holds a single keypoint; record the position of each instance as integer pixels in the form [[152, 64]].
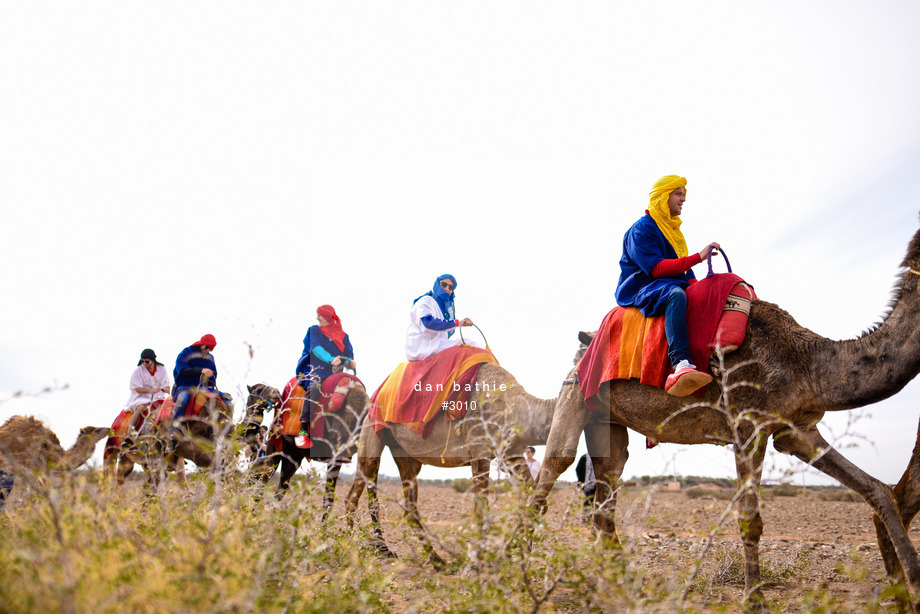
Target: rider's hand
[[466, 322], [336, 361], [207, 372], [704, 253]]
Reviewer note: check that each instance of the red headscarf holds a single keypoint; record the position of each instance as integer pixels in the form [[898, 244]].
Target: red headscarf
[[207, 340], [333, 330]]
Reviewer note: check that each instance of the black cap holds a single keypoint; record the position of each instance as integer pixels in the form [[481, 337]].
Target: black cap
[[148, 354]]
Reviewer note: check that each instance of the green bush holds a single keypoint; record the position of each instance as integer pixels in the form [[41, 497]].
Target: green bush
[[462, 484], [840, 495], [784, 490]]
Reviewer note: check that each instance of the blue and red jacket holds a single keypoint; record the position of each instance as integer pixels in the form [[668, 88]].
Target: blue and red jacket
[[646, 253], [189, 364], [318, 353]]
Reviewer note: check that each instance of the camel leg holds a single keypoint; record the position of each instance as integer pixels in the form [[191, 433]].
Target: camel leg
[[409, 469], [480, 469], [750, 469], [154, 471], [608, 447], [520, 469], [332, 476], [364, 467], [264, 467], [179, 467], [907, 496], [810, 447], [369, 469], [124, 468], [109, 463], [370, 449], [289, 466], [569, 421]]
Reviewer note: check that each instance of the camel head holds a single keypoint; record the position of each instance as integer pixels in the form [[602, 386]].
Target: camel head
[[261, 398], [26, 444], [585, 340], [911, 264], [84, 447]]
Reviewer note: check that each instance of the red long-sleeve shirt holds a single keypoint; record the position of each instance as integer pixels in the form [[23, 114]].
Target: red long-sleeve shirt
[[676, 266]]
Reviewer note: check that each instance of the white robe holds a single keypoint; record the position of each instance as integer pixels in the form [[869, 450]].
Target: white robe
[[141, 378], [423, 342]]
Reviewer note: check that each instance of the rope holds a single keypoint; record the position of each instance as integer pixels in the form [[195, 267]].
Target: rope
[[446, 443], [915, 272]]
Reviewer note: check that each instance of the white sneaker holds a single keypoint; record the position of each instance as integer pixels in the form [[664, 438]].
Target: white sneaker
[[686, 380]]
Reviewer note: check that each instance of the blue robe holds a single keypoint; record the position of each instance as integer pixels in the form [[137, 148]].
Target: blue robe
[[318, 353], [644, 246], [189, 364]]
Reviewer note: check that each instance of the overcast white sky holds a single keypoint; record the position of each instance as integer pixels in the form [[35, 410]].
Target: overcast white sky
[[176, 168]]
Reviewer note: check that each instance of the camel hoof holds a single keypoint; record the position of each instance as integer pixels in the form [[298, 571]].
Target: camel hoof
[[755, 602], [437, 562], [383, 551]]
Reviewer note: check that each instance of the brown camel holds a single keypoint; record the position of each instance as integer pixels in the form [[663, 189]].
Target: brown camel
[[797, 376], [29, 449], [497, 423], [335, 448], [198, 442]]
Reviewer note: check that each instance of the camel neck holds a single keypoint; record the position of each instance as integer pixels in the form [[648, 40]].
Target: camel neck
[[876, 365], [538, 420]]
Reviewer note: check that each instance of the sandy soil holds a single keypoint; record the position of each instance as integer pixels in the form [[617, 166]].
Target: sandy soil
[[808, 540]]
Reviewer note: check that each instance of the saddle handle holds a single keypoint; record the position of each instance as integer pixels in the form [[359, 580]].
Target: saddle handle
[[709, 260], [340, 368], [486, 341]]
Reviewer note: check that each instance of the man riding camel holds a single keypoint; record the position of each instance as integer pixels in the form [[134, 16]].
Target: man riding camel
[[195, 371], [432, 322], [325, 346], [654, 273], [149, 387]]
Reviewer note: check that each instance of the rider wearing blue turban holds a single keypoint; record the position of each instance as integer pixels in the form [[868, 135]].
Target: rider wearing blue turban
[[432, 320]]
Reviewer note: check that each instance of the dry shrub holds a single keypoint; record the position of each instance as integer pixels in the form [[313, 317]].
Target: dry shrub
[[211, 546], [222, 544]]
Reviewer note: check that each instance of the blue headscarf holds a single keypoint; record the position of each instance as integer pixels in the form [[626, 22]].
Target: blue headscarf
[[445, 301]]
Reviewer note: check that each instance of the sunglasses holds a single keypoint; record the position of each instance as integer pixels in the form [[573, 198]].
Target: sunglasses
[[447, 285], [147, 362]]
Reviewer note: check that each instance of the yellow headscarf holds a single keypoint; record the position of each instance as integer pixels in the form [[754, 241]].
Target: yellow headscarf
[[661, 213]]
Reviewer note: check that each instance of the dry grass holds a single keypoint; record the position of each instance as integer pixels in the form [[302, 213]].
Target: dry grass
[[221, 544]]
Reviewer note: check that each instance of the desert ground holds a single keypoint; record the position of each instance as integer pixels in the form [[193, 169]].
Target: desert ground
[[815, 539], [86, 545]]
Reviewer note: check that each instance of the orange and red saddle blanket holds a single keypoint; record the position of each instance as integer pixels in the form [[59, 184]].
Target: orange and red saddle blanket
[[287, 421], [123, 422], [630, 346], [416, 391]]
